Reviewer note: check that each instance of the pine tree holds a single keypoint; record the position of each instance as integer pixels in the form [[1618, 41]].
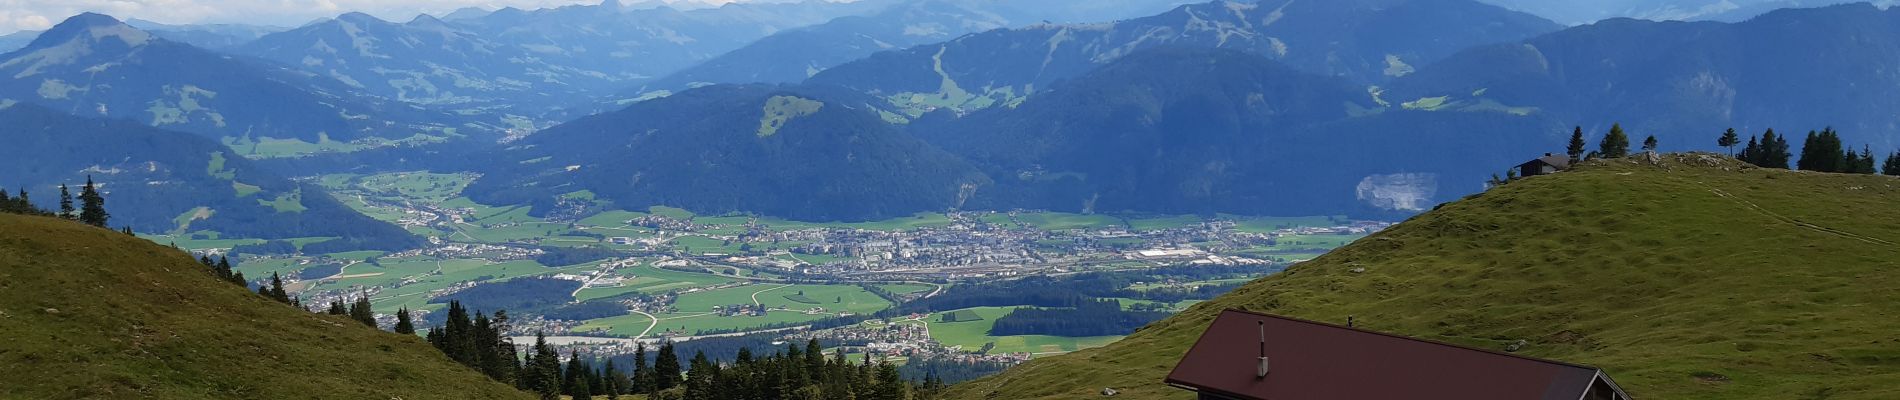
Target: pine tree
[[1615, 144], [1576, 145], [545, 371], [337, 308], [66, 203], [1866, 165], [224, 268], [404, 324], [577, 379], [1728, 140], [1892, 166], [277, 289], [642, 376], [1650, 143], [616, 382], [699, 379], [666, 368], [361, 312], [1779, 154], [92, 209]]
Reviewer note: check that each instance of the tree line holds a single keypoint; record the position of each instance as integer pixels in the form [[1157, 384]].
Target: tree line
[[1821, 151], [91, 209]]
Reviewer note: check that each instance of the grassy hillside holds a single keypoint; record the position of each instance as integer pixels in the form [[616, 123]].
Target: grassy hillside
[[91, 313], [1692, 278]]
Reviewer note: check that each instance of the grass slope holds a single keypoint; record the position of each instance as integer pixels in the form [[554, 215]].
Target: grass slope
[[1692, 278], [90, 313]]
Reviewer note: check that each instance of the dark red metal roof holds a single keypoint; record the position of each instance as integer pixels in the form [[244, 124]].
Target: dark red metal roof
[[1318, 361]]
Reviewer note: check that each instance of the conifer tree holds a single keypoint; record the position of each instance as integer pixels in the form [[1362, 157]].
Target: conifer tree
[[666, 368], [545, 372], [277, 289], [577, 379], [404, 324], [226, 271], [1575, 150], [1615, 144], [1728, 140], [66, 203], [642, 376], [699, 379], [1892, 166], [361, 312], [616, 381], [337, 308], [92, 209], [1866, 163]]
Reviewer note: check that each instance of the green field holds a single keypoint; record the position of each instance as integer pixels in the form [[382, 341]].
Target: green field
[[918, 221], [1066, 221], [415, 295], [695, 310], [651, 280], [1163, 222], [959, 316], [906, 288], [973, 334], [1270, 224], [834, 298]]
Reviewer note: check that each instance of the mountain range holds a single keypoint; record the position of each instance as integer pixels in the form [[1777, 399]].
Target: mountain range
[[810, 153], [1363, 41], [94, 65], [1223, 106], [795, 55], [1791, 70]]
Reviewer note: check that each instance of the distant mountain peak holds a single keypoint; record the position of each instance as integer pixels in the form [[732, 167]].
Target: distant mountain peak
[[91, 28], [360, 18]]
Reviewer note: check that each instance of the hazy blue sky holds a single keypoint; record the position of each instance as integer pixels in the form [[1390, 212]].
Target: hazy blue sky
[[40, 14]]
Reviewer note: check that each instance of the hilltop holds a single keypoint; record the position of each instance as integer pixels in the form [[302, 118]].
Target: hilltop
[[91, 313], [1693, 277]]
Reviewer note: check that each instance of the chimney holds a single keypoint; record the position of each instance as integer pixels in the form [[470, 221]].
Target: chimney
[[1548, 154], [1260, 372]]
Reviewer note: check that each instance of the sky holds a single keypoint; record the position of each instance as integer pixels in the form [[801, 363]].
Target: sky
[[16, 15]]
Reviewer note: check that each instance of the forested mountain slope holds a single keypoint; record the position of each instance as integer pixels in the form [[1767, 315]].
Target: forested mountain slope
[[159, 181]]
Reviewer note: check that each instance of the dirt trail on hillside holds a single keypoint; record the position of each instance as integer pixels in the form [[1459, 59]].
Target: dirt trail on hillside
[[1800, 223]]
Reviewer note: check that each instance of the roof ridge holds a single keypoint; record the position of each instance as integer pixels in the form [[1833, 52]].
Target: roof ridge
[[1415, 339]]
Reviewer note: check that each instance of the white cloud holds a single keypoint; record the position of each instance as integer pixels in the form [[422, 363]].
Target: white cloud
[[40, 14]]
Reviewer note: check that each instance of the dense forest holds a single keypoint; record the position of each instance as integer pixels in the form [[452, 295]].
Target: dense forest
[[1095, 318]]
